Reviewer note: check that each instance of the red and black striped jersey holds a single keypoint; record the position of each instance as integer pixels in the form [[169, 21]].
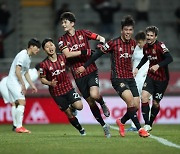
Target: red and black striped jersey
[[121, 55], [77, 42], [155, 53], [56, 70]]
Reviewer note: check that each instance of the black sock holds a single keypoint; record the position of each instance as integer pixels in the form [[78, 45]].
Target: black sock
[[154, 112], [96, 112], [100, 100], [125, 118], [133, 116], [145, 112], [74, 121]]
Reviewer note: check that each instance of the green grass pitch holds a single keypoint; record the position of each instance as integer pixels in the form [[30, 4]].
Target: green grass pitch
[[64, 139]]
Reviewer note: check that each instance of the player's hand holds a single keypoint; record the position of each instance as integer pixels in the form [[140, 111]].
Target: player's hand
[[80, 70], [154, 68], [34, 89], [23, 91], [53, 83], [103, 47], [135, 72]]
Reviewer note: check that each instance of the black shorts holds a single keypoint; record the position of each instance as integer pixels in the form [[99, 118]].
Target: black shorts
[[155, 88], [63, 101], [125, 84], [86, 82]]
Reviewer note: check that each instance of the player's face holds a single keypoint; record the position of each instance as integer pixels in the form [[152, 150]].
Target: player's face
[[34, 50], [150, 37], [141, 43], [50, 48], [67, 25], [127, 32]]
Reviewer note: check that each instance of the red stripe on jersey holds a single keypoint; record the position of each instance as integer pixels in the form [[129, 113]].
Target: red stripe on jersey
[[121, 54], [56, 70], [155, 53], [79, 41]]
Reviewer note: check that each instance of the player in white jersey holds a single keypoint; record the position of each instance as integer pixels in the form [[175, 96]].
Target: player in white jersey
[[141, 76], [15, 83], [34, 75]]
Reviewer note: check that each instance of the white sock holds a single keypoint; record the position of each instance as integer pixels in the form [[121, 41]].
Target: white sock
[[19, 115], [133, 125], [13, 113]]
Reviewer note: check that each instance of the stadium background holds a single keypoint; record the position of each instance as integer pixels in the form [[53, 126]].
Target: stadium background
[[35, 18]]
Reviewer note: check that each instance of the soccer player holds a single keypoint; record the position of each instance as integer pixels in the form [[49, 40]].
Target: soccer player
[[53, 73], [15, 83], [140, 38], [121, 50], [158, 74], [34, 74], [70, 44]]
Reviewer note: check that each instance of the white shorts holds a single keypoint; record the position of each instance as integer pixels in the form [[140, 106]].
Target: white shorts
[[14, 90], [140, 78]]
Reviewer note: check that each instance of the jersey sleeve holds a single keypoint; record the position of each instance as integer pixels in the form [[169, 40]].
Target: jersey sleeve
[[61, 44], [90, 35], [21, 60], [163, 48], [42, 70]]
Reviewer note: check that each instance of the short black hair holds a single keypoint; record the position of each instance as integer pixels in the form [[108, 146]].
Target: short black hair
[[127, 21], [153, 29], [45, 41], [140, 36], [34, 42], [69, 16]]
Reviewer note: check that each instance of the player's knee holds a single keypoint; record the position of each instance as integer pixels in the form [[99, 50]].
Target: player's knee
[[156, 104], [95, 96], [79, 105], [144, 99]]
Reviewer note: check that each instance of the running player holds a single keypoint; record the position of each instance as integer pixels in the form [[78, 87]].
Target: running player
[[158, 74], [53, 73], [87, 82]]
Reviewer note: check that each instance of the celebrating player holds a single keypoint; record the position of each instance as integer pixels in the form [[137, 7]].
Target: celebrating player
[[121, 50], [87, 82], [53, 73], [158, 75]]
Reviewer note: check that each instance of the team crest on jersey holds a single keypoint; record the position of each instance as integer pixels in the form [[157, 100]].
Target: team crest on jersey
[[80, 37], [132, 48], [122, 85], [62, 63], [50, 68], [153, 51], [120, 49]]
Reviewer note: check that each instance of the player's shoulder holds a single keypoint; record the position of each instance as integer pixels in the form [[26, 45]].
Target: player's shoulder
[[161, 45], [22, 52]]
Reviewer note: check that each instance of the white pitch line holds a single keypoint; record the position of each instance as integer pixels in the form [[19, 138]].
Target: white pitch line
[[159, 139]]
